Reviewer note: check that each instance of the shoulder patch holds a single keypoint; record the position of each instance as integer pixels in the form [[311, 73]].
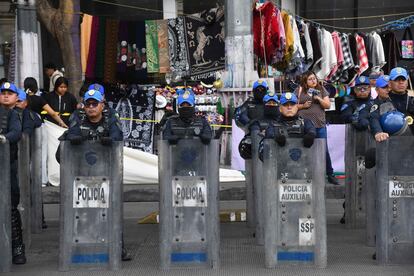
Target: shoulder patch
[[373, 108]]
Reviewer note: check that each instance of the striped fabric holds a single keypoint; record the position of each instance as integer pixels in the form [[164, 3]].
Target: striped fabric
[[348, 61], [362, 54]]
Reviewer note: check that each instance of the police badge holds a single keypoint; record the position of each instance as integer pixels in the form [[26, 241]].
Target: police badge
[[295, 154]]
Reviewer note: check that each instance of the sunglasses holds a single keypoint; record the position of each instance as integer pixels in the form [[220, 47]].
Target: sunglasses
[[92, 104], [362, 88]]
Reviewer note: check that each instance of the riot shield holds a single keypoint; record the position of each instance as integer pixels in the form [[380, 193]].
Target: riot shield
[[355, 207], [5, 209], [395, 200], [257, 179], [294, 203], [36, 181], [250, 206], [24, 185], [91, 178], [189, 211]]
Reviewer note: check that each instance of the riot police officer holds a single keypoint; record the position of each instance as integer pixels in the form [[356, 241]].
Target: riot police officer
[[29, 119], [186, 124], [11, 131], [271, 117], [356, 111], [394, 115], [290, 124]]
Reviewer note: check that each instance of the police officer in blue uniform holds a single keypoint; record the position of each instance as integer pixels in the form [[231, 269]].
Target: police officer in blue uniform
[[356, 110], [290, 124], [393, 116], [186, 124], [271, 117], [11, 131], [29, 119], [252, 110]]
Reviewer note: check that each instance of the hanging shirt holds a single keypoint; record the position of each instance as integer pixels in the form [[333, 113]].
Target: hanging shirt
[[308, 43], [377, 51], [289, 47], [329, 60], [342, 72], [317, 53], [296, 63], [362, 54], [391, 50], [338, 51]]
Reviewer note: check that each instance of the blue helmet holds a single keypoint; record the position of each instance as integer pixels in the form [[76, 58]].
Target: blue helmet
[[362, 80], [398, 72], [93, 94], [98, 87], [382, 81], [21, 94], [393, 123], [186, 97], [288, 98], [270, 97], [260, 83], [8, 86]]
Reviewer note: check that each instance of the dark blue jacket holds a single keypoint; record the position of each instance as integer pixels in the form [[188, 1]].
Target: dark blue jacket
[[356, 112], [293, 127], [176, 128]]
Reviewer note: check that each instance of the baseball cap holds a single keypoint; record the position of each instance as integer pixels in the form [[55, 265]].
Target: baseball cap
[[382, 81], [270, 97], [98, 87], [186, 97], [362, 80], [288, 98], [93, 94], [21, 94], [260, 83], [9, 87], [398, 72]]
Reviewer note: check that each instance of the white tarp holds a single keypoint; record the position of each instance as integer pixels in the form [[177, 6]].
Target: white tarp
[[139, 167]]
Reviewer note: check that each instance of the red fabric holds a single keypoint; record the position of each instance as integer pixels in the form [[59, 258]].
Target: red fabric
[[265, 31], [91, 63], [362, 54], [339, 53]]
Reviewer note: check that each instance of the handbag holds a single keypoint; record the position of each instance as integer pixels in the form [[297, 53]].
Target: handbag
[[407, 45]]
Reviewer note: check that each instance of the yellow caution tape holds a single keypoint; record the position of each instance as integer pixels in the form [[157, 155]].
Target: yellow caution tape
[[63, 114]]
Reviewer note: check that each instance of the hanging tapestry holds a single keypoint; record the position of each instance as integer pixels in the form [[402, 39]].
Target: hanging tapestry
[[177, 46], [151, 37], [163, 54], [205, 43], [135, 106]]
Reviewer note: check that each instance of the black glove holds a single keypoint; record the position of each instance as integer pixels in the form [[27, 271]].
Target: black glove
[[308, 139], [106, 141], [173, 140], [76, 140], [370, 156], [280, 140]]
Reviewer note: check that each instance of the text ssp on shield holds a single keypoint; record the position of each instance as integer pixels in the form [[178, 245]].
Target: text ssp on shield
[[91, 192]]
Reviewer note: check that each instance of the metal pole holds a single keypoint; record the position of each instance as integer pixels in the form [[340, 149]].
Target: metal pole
[[5, 210]]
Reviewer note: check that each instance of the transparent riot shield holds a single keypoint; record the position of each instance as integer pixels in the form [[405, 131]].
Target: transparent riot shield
[[24, 185], [36, 181], [395, 200], [257, 180], [294, 203], [355, 203], [5, 209], [91, 178], [370, 182], [250, 206], [189, 210]]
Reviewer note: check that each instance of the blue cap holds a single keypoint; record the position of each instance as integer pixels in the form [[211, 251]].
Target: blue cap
[[270, 97], [260, 83], [98, 87], [382, 81], [186, 97], [362, 80], [288, 98], [9, 87], [398, 72], [93, 94], [21, 94]]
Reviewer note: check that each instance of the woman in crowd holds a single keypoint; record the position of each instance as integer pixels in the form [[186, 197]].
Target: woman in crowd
[[313, 100], [61, 100], [37, 103]]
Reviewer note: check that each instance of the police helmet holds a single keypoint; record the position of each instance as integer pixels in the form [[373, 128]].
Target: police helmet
[[245, 148], [270, 97], [393, 123], [362, 80], [98, 87], [258, 83], [186, 97]]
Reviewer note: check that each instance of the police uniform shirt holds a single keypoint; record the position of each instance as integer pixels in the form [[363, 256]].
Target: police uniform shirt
[[65, 104], [357, 111], [248, 111], [403, 103], [176, 128], [305, 126], [374, 117], [29, 120], [11, 128]]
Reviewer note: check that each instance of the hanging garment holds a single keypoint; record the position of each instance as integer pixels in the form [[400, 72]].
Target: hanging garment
[[266, 32], [376, 50], [329, 59], [338, 51], [163, 54], [151, 37], [316, 48], [280, 51], [307, 45], [90, 67], [362, 54], [407, 45], [289, 47], [353, 48], [391, 50], [367, 41], [111, 30], [205, 44], [342, 72], [177, 42], [122, 47], [100, 49], [85, 33]]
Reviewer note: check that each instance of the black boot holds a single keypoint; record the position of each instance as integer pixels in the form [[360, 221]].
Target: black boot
[[125, 255], [18, 249]]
